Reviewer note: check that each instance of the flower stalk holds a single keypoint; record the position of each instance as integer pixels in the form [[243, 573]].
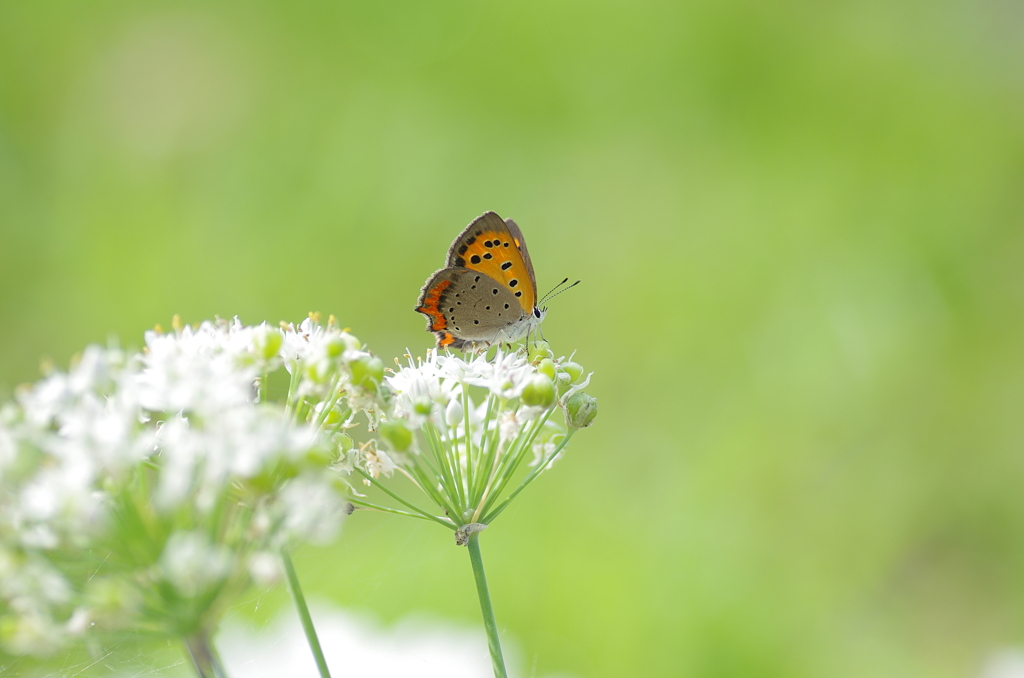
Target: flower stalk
[[204, 658], [299, 600], [459, 429], [490, 625]]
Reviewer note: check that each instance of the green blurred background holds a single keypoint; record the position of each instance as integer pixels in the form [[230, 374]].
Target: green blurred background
[[799, 229]]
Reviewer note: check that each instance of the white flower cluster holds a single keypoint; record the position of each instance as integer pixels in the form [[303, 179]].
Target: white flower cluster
[[433, 389], [164, 466], [460, 427]]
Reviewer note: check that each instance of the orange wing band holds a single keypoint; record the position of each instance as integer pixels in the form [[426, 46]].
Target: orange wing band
[[432, 306]]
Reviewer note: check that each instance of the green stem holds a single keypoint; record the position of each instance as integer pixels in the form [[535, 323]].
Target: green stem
[[490, 626], [204, 657], [385, 509], [491, 515], [439, 450], [300, 607], [512, 463], [417, 509]]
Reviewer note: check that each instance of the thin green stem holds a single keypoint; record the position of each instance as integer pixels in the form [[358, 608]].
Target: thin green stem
[[462, 491], [514, 459], [426, 479], [490, 626], [204, 657], [491, 515], [402, 501], [439, 450], [386, 509], [501, 472], [473, 467], [489, 442], [300, 606], [423, 482]]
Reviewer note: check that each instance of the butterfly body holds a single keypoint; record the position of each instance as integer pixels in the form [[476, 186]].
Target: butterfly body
[[487, 292]]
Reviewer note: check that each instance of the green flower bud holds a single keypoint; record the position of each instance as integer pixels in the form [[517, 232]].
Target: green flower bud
[[267, 479], [397, 435], [350, 342], [335, 347], [539, 350], [344, 442], [547, 366], [423, 406], [539, 391], [580, 410], [366, 369], [333, 417], [563, 382], [320, 456], [315, 372], [574, 370], [268, 342]]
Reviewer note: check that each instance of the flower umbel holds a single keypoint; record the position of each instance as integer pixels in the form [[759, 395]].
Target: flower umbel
[[460, 428], [143, 491]]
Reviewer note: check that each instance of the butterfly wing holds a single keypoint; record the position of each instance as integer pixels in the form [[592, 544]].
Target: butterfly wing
[[520, 242], [465, 306], [497, 249]]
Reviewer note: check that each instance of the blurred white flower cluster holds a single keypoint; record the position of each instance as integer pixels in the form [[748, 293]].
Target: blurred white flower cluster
[[145, 491], [141, 493], [460, 427]]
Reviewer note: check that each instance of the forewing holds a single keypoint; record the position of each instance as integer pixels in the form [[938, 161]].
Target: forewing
[[520, 242], [490, 246]]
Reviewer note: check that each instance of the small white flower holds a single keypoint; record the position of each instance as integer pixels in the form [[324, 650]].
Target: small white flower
[[207, 369], [509, 426], [453, 414], [504, 376], [194, 565], [79, 622], [424, 389], [376, 462], [29, 582], [34, 632], [313, 510], [264, 568]]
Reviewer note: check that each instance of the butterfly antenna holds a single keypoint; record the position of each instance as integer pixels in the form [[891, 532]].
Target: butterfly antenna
[[555, 291], [564, 280]]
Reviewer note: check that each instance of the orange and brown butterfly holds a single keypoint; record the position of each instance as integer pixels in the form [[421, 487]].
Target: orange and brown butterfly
[[486, 293]]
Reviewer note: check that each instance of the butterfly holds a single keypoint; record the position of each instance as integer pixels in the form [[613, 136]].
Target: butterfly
[[486, 293]]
